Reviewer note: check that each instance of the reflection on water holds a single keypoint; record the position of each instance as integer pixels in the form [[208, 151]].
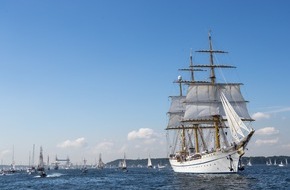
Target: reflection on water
[[212, 181]]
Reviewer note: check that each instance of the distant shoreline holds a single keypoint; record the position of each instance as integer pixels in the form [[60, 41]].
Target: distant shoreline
[[165, 161]]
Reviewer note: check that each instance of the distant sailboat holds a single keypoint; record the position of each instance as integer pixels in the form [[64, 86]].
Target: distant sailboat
[[149, 164], [286, 162], [101, 163], [40, 167], [275, 163], [123, 164], [48, 167], [249, 163], [84, 168], [13, 169], [31, 167], [56, 163], [120, 164], [160, 166], [281, 164]]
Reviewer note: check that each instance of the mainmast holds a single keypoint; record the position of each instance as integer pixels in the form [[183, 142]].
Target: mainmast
[[191, 69], [211, 66], [196, 140], [212, 73]]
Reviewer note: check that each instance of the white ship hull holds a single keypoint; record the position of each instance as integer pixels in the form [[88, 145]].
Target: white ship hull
[[216, 162]]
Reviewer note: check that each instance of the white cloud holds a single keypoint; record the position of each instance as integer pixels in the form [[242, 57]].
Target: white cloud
[[123, 149], [267, 115], [4, 152], [137, 146], [106, 145], [150, 141], [267, 142], [286, 146], [142, 133], [286, 109], [78, 143], [267, 131], [260, 115]]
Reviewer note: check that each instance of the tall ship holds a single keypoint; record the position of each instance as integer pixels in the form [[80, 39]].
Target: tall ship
[[209, 125]]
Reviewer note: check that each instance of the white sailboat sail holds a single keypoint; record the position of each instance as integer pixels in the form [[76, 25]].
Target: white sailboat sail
[[120, 164], [123, 164], [149, 164], [234, 121]]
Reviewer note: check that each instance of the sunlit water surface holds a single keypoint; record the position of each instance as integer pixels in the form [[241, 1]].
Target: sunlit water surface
[[254, 177]]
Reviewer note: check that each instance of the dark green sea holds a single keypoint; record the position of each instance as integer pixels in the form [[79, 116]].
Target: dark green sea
[[253, 177]]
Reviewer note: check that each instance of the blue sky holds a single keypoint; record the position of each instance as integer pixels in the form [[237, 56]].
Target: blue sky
[[87, 77]]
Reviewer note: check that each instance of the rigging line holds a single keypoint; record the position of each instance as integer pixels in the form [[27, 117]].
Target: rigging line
[[220, 70], [236, 73], [224, 137], [190, 134], [176, 137], [234, 100]]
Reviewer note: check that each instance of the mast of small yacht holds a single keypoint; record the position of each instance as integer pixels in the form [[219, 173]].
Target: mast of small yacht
[[13, 161], [33, 149]]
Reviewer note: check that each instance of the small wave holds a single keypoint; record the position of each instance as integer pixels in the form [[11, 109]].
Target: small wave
[[52, 175], [55, 175]]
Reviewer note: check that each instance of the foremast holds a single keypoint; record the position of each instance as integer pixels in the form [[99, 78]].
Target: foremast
[[177, 110]]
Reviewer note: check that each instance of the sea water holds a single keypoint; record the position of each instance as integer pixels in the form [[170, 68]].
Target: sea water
[[255, 177]]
